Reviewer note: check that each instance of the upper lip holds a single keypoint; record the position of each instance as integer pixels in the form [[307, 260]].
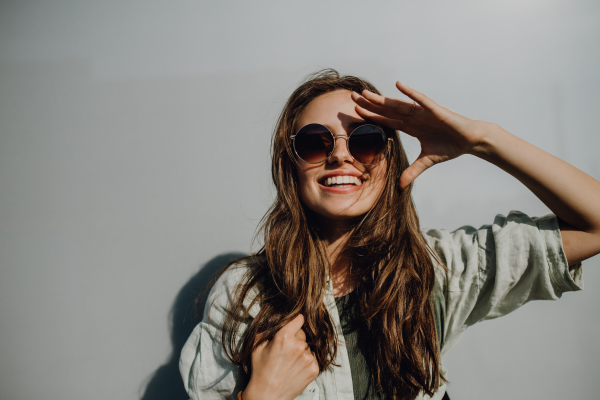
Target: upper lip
[[341, 172]]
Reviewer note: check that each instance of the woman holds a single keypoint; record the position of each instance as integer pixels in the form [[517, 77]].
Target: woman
[[348, 299]]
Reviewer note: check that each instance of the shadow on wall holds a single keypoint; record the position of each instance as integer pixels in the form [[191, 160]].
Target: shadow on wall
[[166, 383]]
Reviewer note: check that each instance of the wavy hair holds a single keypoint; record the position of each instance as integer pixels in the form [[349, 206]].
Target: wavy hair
[[390, 261]]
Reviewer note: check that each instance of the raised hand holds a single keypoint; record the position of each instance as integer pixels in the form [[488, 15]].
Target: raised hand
[[443, 134], [282, 367]]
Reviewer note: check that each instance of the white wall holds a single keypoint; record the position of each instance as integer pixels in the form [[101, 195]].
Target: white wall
[[134, 162]]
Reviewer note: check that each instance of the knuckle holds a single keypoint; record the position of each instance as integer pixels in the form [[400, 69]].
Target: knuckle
[[309, 358], [279, 340], [313, 369], [301, 347], [281, 337]]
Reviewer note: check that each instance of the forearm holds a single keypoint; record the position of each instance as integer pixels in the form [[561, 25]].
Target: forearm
[[572, 195]]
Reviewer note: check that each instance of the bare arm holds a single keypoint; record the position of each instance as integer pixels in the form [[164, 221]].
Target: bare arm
[[572, 195]]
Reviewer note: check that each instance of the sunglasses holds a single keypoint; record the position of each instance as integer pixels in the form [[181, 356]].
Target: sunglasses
[[366, 144]]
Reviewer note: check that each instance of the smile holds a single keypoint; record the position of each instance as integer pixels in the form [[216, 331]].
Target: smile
[[342, 181]]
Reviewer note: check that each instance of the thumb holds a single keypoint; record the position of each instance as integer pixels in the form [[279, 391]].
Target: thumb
[[294, 325], [259, 349], [415, 169]]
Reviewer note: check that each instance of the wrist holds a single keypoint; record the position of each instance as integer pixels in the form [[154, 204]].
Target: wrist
[[490, 135]]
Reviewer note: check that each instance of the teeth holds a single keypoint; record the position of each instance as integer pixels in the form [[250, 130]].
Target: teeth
[[342, 180]]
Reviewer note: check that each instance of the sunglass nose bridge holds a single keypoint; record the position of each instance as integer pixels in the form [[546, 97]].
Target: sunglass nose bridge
[[332, 153]]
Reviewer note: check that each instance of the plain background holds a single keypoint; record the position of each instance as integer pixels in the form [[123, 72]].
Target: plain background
[[134, 162]]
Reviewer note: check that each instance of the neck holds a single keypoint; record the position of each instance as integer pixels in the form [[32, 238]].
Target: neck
[[336, 235]]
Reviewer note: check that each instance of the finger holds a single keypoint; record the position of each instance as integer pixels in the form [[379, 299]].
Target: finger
[[294, 325], [380, 120], [365, 103], [260, 347], [414, 170], [420, 98], [400, 107], [309, 351], [300, 335]]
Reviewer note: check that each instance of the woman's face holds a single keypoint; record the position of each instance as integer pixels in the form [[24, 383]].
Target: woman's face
[[336, 110]]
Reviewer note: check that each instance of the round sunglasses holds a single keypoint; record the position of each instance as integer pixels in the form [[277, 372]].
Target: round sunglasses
[[314, 143]]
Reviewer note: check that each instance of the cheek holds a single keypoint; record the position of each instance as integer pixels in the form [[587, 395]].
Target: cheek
[[378, 176], [304, 185]]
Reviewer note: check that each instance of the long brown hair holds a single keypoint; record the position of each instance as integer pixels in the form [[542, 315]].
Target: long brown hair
[[390, 261]]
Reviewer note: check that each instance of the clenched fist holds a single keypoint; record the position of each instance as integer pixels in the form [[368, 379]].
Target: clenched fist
[[282, 367]]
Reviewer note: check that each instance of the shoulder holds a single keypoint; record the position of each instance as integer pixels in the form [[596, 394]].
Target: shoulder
[[226, 290], [205, 364], [231, 278]]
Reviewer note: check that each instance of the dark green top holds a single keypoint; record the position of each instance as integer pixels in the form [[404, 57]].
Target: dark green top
[[351, 326]]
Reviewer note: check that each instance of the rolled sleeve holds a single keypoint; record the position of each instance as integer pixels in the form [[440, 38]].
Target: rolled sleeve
[[497, 268], [566, 278]]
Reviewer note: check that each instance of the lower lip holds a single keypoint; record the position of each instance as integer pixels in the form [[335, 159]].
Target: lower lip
[[341, 190]]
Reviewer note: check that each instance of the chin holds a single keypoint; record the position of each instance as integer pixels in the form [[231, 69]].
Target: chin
[[339, 213], [335, 208]]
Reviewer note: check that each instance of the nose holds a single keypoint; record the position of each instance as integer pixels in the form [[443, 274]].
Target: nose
[[340, 152]]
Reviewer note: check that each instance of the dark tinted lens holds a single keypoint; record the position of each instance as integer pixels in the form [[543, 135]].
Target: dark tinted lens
[[367, 144], [313, 143]]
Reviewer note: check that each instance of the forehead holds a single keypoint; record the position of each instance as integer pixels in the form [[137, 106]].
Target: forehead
[[334, 109]]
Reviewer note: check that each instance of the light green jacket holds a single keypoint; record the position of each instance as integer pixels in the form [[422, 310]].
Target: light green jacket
[[494, 270]]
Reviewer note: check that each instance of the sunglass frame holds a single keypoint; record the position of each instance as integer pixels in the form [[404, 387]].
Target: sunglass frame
[[293, 137]]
